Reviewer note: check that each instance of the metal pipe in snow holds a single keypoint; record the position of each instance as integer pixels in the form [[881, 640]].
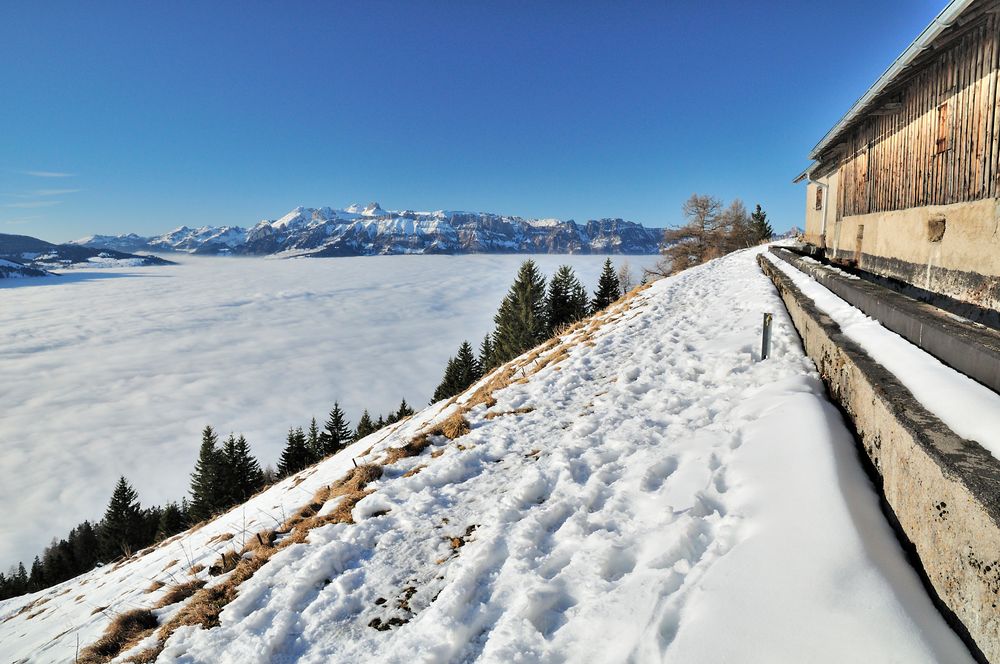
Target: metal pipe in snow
[[765, 342]]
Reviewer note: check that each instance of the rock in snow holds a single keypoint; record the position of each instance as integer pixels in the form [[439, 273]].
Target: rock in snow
[[642, 490], [369, 230]]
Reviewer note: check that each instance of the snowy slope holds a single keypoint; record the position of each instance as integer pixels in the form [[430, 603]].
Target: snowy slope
[[642, 489]]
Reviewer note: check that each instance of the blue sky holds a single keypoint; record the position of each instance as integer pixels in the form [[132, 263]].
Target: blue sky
[[121, 116]]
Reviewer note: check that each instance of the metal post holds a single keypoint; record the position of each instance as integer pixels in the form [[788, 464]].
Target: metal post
[[765, 342]]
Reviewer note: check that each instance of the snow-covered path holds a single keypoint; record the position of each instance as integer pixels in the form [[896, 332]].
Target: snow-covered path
[[656, 495]]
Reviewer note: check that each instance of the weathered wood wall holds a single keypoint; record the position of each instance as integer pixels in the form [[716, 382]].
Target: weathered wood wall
[[934, 137]]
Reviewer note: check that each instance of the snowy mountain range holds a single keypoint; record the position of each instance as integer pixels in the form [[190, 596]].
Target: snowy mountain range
[[370, 230]]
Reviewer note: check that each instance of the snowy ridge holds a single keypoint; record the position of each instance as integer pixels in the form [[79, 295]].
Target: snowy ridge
[[640, 489], [364, 230]]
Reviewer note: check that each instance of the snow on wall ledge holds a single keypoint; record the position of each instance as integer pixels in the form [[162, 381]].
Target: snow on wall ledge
[[940, 487], [640, 489]]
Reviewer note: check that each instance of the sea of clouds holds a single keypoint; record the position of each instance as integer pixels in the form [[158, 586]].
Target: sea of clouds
[[111, 372]]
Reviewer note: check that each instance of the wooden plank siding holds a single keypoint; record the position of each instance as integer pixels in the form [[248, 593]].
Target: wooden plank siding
[[933, 138]]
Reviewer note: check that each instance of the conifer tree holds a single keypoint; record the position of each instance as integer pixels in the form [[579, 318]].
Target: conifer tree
[[566, 301], [760, 228], [448, 386], [171, 521], [121, 528], [404, 410], [365, 426], [207, 495], [296, 455], [381, 423], [520, 320], [608, 288], [336, 433], [36, 581], [314, 441], [486, 361], [462, 371], [85, 546], [243, 474]]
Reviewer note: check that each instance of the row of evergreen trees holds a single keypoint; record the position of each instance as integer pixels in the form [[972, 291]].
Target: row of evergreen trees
[[529, 314], [225, 475]]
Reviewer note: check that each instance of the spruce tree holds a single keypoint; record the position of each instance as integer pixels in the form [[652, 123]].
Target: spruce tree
[[608, 288], [566, 301], [314, 441], [36, 581], [462, 371], [121, 528], [296, 455], [171, 521], [404, 410], [760, 228], [381, 423], [365, 426], [207, 488], [486, 359], [448, 386], [243, 474], [85, 546], [336, 433], [520, 320]]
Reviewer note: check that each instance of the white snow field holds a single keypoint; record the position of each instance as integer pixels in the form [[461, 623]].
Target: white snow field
[[645, 490], [115, 371]]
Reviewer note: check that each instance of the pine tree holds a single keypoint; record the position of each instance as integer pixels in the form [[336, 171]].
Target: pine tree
[[760, 228], [404, 410], [296, 455], [520, 320], [486, 360], [207, 495], [365, 426], [448, 387], [462, 371], [336, 433], [121, 528], [608, 288], [171, 521], [85, 546], [381, 423], [314, 441], [243, 474], [37, 579], [566, 301]]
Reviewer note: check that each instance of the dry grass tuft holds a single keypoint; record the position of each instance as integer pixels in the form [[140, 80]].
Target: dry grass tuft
[[416, 469], [454, 427], [147, 656], [169, 565], [196, 568], [412, 448], [179, 593], [517, 411], [124, 631], [155, 585], [221, 537]]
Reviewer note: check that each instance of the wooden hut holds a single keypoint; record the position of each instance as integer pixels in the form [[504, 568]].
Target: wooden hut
[[907, 184]]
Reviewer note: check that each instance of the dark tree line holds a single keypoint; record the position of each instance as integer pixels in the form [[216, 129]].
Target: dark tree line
[[529, 314], [226, 474]]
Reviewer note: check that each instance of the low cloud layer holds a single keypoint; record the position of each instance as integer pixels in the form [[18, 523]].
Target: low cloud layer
[[115, 372]]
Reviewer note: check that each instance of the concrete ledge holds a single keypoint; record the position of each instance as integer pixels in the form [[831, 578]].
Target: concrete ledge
[[965, 346], [942, 491]]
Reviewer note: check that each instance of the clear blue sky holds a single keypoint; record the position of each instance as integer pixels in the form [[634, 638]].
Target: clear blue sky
[[145, 116]]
